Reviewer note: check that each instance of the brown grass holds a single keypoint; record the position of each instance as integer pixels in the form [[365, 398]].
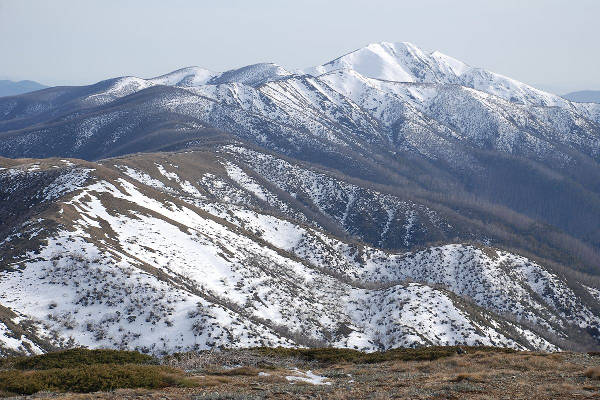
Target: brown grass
[[593, 373], [471, 376], [244, 371], [466, 376], [210, 381]]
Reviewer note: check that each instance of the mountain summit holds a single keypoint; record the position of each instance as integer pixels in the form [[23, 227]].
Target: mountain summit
[[405, 62], [400, 62]]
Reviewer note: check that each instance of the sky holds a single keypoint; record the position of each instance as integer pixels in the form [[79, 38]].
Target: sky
[[551, 44]]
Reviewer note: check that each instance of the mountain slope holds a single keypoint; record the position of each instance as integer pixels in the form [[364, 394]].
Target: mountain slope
[[444, 140], [121, 256], [391, 197]]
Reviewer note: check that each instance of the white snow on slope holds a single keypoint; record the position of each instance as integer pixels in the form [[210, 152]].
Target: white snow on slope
[[16, 343], [245, 181], [307, 377], [252, 75], [117, 88], [405, 62], [165, 277], [190, 76]]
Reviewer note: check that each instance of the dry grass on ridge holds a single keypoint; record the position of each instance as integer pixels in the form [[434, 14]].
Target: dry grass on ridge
[[487, 374]]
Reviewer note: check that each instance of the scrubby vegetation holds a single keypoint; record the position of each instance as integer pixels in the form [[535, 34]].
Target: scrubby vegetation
[[74, 358], [273, 357], [454, 372], [334, 355], [82, 370], [91, 378]]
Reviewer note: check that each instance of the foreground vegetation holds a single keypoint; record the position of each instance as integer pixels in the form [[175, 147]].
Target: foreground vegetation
[[333, 355], [430, 372], [84, 371]]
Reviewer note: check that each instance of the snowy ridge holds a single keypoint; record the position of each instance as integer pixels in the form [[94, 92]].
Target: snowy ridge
[[191, 76], [140, 260], [393, 96], [115, 89], [346, 203], [404, 62], [252, 75]]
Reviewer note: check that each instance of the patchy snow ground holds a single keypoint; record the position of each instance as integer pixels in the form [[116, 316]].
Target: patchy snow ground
[[307, 377], [11, 342], [160, 267]]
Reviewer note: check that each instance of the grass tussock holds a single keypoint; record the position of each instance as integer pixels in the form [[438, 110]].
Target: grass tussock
[[91, 378], [522, 361], [465, 376], [593, 373]]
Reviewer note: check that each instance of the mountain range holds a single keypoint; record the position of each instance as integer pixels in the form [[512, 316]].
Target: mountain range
[[584, 96], [11, 88], [390, 197]]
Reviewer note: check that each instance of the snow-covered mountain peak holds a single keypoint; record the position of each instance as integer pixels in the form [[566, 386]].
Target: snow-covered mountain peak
[[387, 61], [190, 76], [453, 65], [405, 62], [252, 75], [401, 62]]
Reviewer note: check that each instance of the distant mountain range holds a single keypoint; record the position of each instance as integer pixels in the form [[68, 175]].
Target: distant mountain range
[[584, 96], [11, 88], [390, 197]]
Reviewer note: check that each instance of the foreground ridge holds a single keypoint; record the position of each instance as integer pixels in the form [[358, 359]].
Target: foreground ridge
[[304, 373], [145, 259]]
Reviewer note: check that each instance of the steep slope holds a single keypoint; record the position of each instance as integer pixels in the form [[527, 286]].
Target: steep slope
[[479, 119]]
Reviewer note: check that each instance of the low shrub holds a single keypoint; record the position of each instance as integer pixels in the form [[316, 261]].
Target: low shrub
[[91, 378], [467, 377], [79, 357], [335, 355]]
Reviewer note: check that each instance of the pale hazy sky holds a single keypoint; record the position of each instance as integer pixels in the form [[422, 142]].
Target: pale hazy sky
[[553, 44]]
